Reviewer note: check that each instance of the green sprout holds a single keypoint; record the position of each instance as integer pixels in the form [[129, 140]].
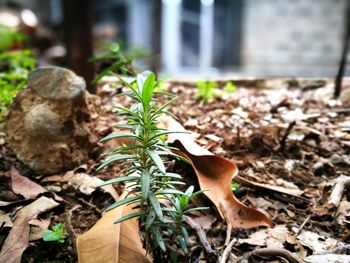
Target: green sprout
[[56, 234], [229, 88], [117, 61], [161, 206], [235, 186], [206, 91]]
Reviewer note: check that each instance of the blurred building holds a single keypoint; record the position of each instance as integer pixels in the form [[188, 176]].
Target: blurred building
[[210, 37]]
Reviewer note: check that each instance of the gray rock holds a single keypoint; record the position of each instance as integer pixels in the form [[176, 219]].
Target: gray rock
[[50, 125]]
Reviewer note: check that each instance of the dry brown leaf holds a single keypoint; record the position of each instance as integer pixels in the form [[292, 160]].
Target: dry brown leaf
[[87, 183], [215, 174], [272, 237], [24, 186], [112, 243], [15, 243], [5, 220], [18, 238], [38, 227]]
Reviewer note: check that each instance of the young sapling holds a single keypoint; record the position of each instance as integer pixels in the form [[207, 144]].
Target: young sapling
[[159, 206]]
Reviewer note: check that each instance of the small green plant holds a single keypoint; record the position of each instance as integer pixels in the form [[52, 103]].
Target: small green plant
[[57, 234], [117, 60], [159, 205], [206, 91], [229, 88], [15, 65], [10, 38], [235, 186]]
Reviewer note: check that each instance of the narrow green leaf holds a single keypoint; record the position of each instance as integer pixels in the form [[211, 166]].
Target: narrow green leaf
[[165, 105], [196, 209], [172, 175], [184, 233], [189, 191], [159, 239], [124, 126], [127, 217], [169, 191], [127, 111], [123, 202], [150, 219], [145, 184], [131, 88], [182, 244], [119, 180], [167, 132], [157, 160], [197, 193], [156, 206], [114, 159], [103, 73], [120, 136], [147, 90]]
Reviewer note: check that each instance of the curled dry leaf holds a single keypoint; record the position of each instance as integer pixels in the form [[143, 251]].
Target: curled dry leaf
[[38, 227], [18, 238], [215, 174], [112, 243], [87, 183]]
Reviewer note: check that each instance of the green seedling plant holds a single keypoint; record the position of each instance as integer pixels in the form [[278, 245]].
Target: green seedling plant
[[206, 91], [159, 206], [57, 234], [235, 186], [229, 88], [117, 60]]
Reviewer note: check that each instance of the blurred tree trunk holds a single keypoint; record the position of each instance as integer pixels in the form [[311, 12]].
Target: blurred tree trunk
[[78, 30], [156, 34], [342, 65]]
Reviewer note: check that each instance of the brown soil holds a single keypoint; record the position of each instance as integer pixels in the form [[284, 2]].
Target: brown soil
[[250, 128]]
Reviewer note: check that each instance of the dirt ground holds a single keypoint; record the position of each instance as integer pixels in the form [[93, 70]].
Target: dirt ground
[[290, 141]]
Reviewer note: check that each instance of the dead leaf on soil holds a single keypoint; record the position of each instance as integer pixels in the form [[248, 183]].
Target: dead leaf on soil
[[18, 239], [317, 243], [112, 243], [38, 227], [23, 185], [328, 258], [5, 220], [273, 237], [215, 174], [87, 183]]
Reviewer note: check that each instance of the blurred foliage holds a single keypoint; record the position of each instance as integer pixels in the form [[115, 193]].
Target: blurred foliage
[[206, 91], [117, 60], [235, 186], [10, 38], [230, 87], [57, 234], [15, 65]]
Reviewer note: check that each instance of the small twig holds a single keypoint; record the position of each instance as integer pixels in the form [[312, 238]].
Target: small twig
[[97, 210], [69, 227], [227, 250], [302, 225], [271, 252], [342, 64], [285, 136], [228, 234], [201, 235], [341, 183]]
